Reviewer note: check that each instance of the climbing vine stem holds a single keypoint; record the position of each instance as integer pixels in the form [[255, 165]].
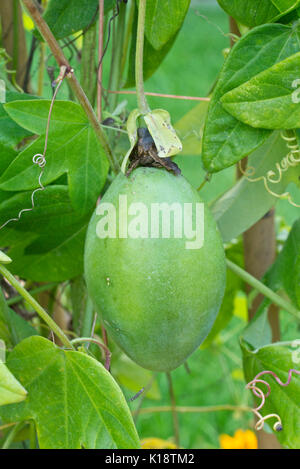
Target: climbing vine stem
[[36, 306], [76, 88], [139, 59], [262, 288]]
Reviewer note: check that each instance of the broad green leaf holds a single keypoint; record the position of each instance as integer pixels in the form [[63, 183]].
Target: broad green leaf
[[51, 241], [152, 57], [87, 170], [163, 20], [255, 12], [7, 155], [190, 129], [65, 17], [52, 211], [23, 174], [33, 114], [226, 140], [285, 272], [266, 101], [72, 399], [53, 259], [10, 132], [11, 391], [16, 328], [159, 125], [246, 202], [283, 401], [72, 147]]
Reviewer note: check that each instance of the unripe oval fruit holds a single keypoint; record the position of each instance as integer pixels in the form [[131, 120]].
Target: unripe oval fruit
[[157, 298]]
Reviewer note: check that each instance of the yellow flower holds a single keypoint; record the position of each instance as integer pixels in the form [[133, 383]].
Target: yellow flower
[[242, 439], [27, 21], [157, 443]]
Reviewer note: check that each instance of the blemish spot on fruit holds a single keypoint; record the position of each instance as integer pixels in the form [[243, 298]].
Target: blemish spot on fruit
[[107, 281]]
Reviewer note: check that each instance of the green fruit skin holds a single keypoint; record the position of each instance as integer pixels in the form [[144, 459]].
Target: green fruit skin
[[158, 300]]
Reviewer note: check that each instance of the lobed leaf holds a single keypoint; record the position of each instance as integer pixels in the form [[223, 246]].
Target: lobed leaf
[[226, 140], [266, 101], [72, 399], [255, 12]]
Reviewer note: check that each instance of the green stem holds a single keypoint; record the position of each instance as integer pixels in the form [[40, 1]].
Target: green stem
[[200, 410], [36, 306], [115, 78], [12, 434], [139, 59], [77, 89], [263, 289], [173, 409], [15, 56]]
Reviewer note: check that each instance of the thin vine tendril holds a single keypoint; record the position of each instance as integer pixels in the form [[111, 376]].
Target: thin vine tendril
[[252, 385], [40, 158], [292, 159]]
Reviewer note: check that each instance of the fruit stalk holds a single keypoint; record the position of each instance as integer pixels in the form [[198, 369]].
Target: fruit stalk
[[36, 306]]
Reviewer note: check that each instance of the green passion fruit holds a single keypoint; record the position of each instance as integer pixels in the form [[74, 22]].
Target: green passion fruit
[[157, 290]]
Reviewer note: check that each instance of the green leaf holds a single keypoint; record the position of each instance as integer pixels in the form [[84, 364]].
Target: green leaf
[[283, 401], [163, 20], [56, 259], [266, 101], [23, 174], [65, 17], [255, 12], [33, 114], [51, 244], [87, 170], [246, 202], [11, 391], [285, 272], [72, 147], [10, 132], [72, 399], [152, 57], [226, 140], [7, 155]]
